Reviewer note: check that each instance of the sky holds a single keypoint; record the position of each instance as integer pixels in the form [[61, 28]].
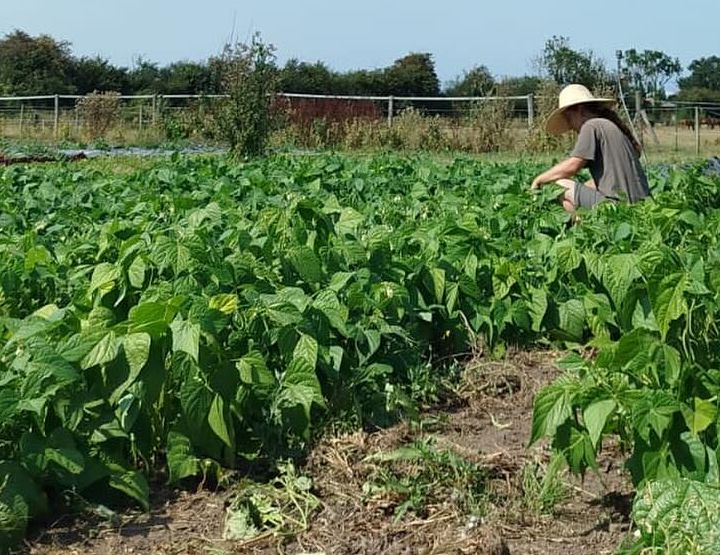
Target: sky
[[506, 36]]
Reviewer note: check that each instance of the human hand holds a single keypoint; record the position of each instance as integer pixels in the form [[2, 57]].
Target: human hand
[[536, 183]]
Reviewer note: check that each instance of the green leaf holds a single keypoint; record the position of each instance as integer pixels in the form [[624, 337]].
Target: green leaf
[[327, 302], [220, 421], [572, 319], [438, 279], [186, 338], [105, 351], [679, 516], [576, 447], [300, 386], [552, 407], [136, 347], [538, 306], [181, 460], [653, 411], [195, 400], [307, 350], [669, 301], [595, 417], [254, 371], [349, 222], [225, 303], [133, 484], [239, 523], [619, 272], [705, 413], [37, 256], [306, 263], [136, 272], [151, 317], [103, 278]]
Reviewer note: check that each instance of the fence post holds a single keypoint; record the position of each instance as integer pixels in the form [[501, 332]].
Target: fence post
[[390, 111], [531, 110], [697, 130], [154, 110], [56, 119], [140, 118], [638, 118]]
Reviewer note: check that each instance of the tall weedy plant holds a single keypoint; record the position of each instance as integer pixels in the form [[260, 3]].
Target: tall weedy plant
[[249, 77]]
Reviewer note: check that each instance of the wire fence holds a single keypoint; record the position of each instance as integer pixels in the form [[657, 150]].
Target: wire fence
[[692, 128]]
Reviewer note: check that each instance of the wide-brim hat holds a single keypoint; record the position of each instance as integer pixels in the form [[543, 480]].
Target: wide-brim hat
[[572, 95]]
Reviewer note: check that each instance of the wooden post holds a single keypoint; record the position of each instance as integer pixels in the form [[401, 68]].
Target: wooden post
[[140, 118], [22, 114], [697, 130], [638, 118], [390, 111], [676, 128], [56, 119], [154, 110], [531, 110]]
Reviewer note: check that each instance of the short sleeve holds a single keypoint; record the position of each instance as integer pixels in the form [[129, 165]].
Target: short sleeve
[[586, 143]]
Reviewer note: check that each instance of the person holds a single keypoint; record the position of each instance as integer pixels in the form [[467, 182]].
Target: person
[[604, 145]]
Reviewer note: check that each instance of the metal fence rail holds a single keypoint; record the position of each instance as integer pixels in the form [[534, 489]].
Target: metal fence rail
[[667, 124]]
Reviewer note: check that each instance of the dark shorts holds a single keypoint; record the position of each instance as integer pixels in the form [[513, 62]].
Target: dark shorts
[[585, 197]]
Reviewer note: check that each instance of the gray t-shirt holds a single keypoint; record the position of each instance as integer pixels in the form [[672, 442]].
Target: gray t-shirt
[[612, 160]]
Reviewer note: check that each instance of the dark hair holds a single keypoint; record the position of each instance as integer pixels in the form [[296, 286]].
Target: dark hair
[[602, 111]]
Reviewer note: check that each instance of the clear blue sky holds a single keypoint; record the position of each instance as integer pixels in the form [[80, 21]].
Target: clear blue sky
[[503, 35]]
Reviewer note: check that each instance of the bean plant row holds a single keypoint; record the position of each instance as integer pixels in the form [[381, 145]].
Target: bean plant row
[[200, 315]]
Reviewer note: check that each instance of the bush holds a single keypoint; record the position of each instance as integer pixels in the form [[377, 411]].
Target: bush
[[99, 111], [249, 78]]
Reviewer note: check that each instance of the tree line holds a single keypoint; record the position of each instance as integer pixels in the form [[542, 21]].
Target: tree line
[[37, 65]]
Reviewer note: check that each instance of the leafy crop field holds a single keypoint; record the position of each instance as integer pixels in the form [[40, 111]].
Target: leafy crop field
[[198, 315]]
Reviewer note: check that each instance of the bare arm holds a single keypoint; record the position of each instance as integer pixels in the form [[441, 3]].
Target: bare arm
[[562, 170]]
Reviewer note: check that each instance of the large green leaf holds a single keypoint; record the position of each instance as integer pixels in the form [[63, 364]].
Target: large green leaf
[[653, 411], [105, 351], [595, 417], [103, 278], [151, 317], [133, 484], [181, 460], [186, 338], [679, 516], [669, 301], [552, 407], [220, 421], [619, 272], [306, 263]]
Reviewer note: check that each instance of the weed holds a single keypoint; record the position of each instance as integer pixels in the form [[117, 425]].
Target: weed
[[283, 506], [418, 476], [542, 486]]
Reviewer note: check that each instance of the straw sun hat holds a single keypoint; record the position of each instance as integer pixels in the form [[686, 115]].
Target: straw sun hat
[[571, 95]]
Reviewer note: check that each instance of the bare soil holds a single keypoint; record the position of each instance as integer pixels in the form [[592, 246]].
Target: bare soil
[[488, 423]]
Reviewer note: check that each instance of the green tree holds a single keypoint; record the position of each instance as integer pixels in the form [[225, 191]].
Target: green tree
[[145, 77], [303, 77], [412, 75], [520, 86], [650, 70], [476, 82], [704, 74], [97, 74], [564, 65], [34, 65], [367, 82], [187, 78]]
